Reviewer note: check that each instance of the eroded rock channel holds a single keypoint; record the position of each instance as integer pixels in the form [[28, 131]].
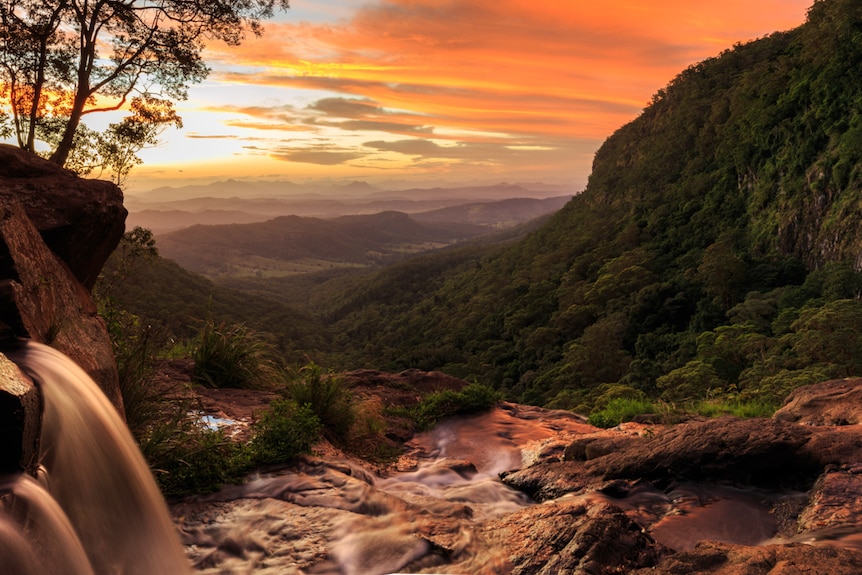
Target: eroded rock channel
[[523, 490]]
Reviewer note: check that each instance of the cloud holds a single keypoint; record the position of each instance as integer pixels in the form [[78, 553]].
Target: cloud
[[321, 157], [347, 107], [196, 136], [503, 81]]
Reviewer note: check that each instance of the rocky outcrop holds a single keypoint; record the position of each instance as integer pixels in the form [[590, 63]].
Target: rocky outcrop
[[834, 402], [682, 484], [56, 230], [757, 452], [711, 558], [570, 537], [80, 220]]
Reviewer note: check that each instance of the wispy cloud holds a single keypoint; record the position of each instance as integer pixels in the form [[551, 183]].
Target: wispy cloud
[[481, 82]]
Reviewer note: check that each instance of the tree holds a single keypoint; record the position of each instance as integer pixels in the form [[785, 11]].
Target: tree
[[61, 60]]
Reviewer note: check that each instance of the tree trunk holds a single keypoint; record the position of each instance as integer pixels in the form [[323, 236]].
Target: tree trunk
[[64, 148]]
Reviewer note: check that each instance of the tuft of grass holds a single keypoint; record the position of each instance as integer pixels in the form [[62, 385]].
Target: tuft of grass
[[620, 410], [234, 357], [186, 458], [328, 398], [737, 407]]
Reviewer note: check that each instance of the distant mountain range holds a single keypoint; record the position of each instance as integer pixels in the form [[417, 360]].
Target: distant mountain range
[[289, 245], [163, 217], [284, 189]]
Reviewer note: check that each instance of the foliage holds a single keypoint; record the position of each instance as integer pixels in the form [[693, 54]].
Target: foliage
[[186, 458], [137, 247], [169, 298], [234, 357], [439, 405], [735, 407], [64, 59], [713, 254], [328, 399], [284, 431], [620, 410]]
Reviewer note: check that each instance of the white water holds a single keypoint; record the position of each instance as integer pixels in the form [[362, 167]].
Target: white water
[[98, 488], [96, 510], [332, 517]]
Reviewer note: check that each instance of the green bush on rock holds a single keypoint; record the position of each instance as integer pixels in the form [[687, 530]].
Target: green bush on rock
[[285, 431]]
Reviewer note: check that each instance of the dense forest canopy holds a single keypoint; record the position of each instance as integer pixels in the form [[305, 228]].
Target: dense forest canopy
[[715, 251]]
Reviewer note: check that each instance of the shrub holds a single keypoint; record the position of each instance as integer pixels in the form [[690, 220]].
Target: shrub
[[327, 397], [619, 410], [283, 432], [233, 357], [441, 404], [186, 457]]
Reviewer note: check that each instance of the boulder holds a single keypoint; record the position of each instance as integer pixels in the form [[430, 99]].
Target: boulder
[[20, 417], [570, 537], [710, 558], [835, 503], [834, 402], [549, 480], [81, 220], [757, 452]]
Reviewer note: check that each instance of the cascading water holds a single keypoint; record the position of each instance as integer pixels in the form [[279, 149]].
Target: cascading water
[[96, 497]]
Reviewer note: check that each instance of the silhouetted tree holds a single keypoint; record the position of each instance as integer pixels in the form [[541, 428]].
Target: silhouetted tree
[[63, 59]]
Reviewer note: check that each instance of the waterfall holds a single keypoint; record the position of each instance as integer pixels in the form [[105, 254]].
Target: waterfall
[[96, 496]]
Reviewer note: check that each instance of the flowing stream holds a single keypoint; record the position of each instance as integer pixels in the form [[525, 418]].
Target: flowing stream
[[94, 508]]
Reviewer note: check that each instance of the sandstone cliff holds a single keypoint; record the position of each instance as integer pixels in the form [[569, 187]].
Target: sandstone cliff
[[56, 231]]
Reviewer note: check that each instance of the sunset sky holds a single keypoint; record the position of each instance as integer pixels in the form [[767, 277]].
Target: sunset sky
[[441, 91]]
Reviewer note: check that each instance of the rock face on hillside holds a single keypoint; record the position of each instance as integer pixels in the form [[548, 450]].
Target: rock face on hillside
[[56, 231]]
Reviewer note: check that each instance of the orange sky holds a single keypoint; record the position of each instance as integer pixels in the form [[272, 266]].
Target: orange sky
[[442, 90]]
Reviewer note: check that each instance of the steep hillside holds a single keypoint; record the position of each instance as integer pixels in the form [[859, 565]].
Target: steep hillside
[[175, 302], [500, 214], [714, 251]]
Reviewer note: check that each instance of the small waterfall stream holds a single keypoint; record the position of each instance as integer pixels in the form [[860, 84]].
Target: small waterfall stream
[[96, 493], [94, 508]]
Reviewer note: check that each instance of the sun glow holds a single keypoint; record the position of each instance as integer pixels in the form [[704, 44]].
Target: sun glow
[[491, 88]]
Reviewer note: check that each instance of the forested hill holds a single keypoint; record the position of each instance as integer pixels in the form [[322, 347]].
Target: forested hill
[[714, 250]]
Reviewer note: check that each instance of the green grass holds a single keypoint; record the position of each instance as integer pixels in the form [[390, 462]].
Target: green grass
[[620, 410], [739, 408]]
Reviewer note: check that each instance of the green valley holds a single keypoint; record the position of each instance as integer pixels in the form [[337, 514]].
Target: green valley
[[714, 253]]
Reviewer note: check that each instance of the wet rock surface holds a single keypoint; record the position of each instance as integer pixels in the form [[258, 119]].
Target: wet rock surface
[[793, 559], [834, 402], [572, 537], [20, 419], [724, 496]]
